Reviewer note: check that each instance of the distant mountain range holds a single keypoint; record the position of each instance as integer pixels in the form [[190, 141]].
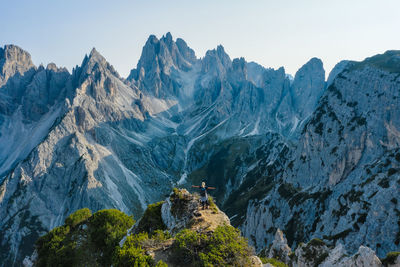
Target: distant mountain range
[[313, 157]]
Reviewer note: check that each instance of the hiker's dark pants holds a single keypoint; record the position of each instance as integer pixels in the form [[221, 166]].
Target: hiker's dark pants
[[204, 204]]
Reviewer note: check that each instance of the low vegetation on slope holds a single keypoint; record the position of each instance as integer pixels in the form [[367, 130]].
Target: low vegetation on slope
[[84, 239], [94, 240]]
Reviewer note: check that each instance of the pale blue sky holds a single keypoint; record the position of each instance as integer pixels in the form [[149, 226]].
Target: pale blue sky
[[272, 33]]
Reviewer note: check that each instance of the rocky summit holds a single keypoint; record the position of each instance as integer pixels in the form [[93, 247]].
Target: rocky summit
[[317, 158], [174, 232]]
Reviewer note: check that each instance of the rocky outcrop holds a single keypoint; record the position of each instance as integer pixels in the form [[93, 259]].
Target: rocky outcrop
[[182, 211], [279, 248], [316, 253]]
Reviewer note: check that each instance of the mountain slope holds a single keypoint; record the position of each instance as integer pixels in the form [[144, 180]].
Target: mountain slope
[[287, 153], [175, 231], [342, 179]]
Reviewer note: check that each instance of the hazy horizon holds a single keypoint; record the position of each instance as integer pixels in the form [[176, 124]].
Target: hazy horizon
[[272, 34]]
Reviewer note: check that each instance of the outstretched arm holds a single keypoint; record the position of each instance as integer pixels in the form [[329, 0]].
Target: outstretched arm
[[197, 186], [211, 187]]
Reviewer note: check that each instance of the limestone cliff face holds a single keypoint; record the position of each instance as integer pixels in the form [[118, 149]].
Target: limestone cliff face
[[341, 182], [316, 253]]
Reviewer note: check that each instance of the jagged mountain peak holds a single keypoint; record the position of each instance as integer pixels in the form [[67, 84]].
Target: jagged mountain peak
[[92, 64], [167, 53], [13, 59], [167, 38], [94, 53], [160, 59], [313, 64], [308, 85], [218, 52], [216, 61], [53, 67], [15, 53], [93, 58]]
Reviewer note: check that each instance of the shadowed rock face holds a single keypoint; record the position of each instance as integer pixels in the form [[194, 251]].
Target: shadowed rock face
[[293, 154], [344, 167], [316, 253]]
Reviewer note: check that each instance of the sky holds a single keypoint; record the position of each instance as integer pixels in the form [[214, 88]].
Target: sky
[[271, 33]]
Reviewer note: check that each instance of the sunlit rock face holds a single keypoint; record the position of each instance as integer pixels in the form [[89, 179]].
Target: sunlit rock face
[[295, 154]]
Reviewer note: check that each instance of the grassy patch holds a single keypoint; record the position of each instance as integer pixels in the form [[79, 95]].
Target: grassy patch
[[213, 207], [386, 62], [390, 258], [151, 220]]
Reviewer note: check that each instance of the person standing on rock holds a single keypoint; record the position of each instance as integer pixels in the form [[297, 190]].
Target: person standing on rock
[[203, 194]]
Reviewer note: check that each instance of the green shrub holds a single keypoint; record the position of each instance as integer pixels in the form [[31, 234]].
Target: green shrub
[[160, 263], [77, 217], [132, 256], [160, 235], [132, 252], [316, 242], [107, 228], [49, 246], [390, 258], [177, 193], [151, 220], [69, 245], [227, 242], [224, 247], [186, 246], [273, 262]]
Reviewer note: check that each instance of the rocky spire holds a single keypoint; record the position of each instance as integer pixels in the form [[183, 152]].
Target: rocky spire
[[239, 68], [97, 75], [216, 61], [159, 59], [279, 249], [308, 86]]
